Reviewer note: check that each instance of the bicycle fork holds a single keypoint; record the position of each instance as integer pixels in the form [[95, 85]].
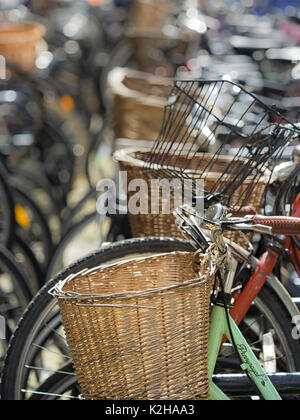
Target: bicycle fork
[[222, 325]]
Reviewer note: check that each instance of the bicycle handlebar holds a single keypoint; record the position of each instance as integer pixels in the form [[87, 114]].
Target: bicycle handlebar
[[280, 225], [215, 220], [272, 225]]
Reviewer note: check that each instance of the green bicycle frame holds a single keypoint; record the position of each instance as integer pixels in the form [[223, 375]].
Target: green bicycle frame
[[250, 364]]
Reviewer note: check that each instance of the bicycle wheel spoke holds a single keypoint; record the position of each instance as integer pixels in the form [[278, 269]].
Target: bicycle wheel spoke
[[51, 351], [50, 370], [55, 332], [48, 394]]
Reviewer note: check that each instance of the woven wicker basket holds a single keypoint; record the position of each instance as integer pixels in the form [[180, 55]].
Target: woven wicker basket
[[138, 103], [18, 43], [149, 14], [133, 161], [149, 45], [139, 329]]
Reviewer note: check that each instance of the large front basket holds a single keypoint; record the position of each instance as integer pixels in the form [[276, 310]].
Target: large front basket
[[139, 329]]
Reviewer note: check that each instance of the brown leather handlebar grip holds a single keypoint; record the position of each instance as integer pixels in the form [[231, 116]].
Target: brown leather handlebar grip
[[280, 225], [243, 211]]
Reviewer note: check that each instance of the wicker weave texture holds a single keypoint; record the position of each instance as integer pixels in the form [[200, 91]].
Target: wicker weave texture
[[139, 329], [151, 14], [133, 161], [148, 47], [18, 43], [138, 101]]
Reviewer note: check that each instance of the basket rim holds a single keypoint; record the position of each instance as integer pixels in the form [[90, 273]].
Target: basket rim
[[127, 156], [58, 290], [116, 84], [28, 31]]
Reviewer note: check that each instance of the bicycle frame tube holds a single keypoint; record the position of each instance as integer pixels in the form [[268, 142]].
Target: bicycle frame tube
[[254, 286], [219, 327], [266, 264]]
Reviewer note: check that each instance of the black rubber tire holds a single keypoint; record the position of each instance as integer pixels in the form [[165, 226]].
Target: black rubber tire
[[8, 214], [19, 340], [22, 197], [22, 293], [34, 269], [8, 260], [70, 220], [55, 262]]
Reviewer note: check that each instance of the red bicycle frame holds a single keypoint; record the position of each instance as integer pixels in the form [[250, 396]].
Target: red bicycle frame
[[256, 283], [266, 266]]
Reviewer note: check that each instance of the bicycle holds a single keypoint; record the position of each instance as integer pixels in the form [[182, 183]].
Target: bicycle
[[216, 222], [34, 336]]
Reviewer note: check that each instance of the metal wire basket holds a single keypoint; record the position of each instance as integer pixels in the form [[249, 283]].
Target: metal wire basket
[[202, 115], [138, 329]]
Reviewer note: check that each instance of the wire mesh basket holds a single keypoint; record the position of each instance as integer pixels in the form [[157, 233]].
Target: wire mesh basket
[[138, 101], [221, 114], [18, 43], [138, 329], [156, 218]]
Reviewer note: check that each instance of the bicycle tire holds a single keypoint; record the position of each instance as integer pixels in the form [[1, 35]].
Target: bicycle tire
[[7, 213], [45, 237], [119, 230], [55, 264], [18, 297], [34, 272], [70, 219], [7, 258]]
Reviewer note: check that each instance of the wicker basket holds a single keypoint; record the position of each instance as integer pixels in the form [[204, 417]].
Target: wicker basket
[[149, 14], [138, 329], [133, 161], [138, 103], [149, 46], [18, 43]]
